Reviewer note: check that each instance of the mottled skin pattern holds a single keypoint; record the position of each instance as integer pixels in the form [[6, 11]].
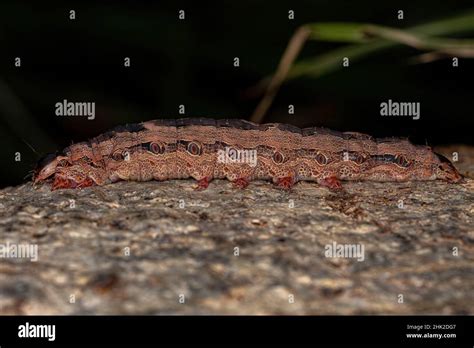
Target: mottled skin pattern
[[183, 148]]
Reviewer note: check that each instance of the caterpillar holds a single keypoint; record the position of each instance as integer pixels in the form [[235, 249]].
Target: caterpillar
[[240, 151]]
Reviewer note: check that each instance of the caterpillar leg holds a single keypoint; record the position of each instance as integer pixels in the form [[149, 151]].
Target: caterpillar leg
[[286, 182], [76, 177], [241, 183], [61, 182], [202, 184], [331, 182]]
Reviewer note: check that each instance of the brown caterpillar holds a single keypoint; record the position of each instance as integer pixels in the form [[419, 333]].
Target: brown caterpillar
[[239, 151]]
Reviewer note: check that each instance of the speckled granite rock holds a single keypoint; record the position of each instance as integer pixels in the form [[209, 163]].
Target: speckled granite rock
[[147, 248]]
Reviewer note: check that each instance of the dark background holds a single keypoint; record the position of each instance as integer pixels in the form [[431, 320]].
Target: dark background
[[190, 62]]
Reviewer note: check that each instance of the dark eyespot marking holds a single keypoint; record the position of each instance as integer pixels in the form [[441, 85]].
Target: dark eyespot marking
[[157, 148], [359, 158], [321, 159], [278, 157], [117, 156], [353, 156], [194, 148], [401, 161]]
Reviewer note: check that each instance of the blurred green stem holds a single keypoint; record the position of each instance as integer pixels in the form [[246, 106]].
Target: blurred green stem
[[420, 37]]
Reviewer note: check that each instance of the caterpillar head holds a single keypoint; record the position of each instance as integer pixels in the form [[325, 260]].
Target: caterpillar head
[[402, 161], [46, 167], [445, 170], [63, 171]]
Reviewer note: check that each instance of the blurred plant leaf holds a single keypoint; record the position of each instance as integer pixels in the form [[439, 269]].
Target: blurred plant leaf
[[364, 39], [387, 38], [337, 32]]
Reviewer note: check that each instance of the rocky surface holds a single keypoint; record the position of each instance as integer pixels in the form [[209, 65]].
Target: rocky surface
[[149, 248]]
